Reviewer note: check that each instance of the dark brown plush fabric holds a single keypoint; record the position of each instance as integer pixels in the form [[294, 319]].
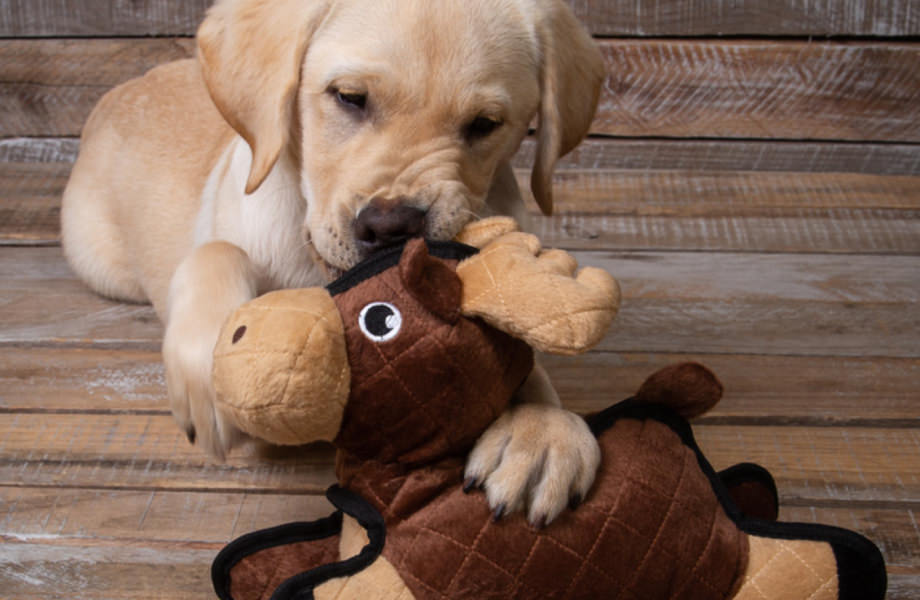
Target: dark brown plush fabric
[[258, 575], [430, 391], [651, 528]]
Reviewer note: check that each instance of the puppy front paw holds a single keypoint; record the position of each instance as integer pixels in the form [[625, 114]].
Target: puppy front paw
[[188, 358], [535, 457]]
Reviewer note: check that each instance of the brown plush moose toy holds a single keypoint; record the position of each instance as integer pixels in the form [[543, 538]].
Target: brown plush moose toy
[[407, 359]]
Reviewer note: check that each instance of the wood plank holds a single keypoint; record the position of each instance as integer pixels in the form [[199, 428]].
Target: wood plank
[[30, 202], [764, 390], [627, 154], [733, 155], [148, 452], [860, 91], [64, 311], [27, 18], [82, 560], [773, 90], [58, 18], [48, 87], [749, 17], [201, 519], [88, 570], [82, 379], [730, 211], [786, 304], [626, 210], [159, 516], [685, 302]]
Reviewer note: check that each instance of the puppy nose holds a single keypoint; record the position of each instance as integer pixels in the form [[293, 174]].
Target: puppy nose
[[386, 222]]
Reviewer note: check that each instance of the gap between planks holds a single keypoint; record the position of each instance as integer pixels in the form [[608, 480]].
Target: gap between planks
[[862, 91]]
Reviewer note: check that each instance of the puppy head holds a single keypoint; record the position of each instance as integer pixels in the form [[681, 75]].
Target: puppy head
[[399, 112]]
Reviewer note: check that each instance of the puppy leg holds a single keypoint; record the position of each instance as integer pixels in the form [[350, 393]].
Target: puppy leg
[[206, 287], [537, 455]]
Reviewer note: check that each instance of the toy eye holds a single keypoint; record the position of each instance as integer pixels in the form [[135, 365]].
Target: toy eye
[[380, 321]]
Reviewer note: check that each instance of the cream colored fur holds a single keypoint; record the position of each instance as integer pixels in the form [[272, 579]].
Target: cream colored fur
[[211, 180]]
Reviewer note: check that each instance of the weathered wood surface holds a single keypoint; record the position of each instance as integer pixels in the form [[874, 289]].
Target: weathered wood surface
[[26, 18], [149, 452], [629, 154], [775, 90], [748, 230], [626, 210], [48, 87], [686, 302], [860, 91], [759, 389]]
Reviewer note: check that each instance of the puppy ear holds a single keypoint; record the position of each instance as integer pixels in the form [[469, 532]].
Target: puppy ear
[[250, 53], [571, 73]]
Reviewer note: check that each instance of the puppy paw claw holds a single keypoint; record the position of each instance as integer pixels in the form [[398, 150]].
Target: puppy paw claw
[[535, 457]]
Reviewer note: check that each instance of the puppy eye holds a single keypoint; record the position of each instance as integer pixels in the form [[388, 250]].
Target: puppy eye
[[481, 127], [380, 321], [355, 100]]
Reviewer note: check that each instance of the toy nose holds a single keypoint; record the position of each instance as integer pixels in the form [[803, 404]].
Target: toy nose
[[384, 222]]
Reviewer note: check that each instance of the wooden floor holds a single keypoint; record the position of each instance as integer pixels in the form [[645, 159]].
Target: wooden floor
[[809, 314], [758, 197]]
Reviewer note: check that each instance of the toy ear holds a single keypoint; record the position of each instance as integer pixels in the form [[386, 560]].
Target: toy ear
[[250, 53], [430, 281], [689, 388]]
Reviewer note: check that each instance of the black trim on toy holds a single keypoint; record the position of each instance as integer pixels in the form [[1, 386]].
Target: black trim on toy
[[389, 257], [254, 542], [300, 586], [860, 566]]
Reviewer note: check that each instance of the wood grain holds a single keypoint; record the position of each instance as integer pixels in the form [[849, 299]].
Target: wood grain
[[748, 17], [685, 302], [860, 91], [773, 90], [629, 154], [48, 87], [148, 452], [777, 390], [759, 389], [764, 303], [730, 211], [204, 519], [158, 516], [30, 201], [624, 209], [58, 18], [25, 18], [734, 155], [117, 551]]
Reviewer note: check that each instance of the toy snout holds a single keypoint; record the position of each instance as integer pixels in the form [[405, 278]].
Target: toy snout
[[280, 367]]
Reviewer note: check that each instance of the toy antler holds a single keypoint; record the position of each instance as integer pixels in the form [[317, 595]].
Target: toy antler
[[537, 296]]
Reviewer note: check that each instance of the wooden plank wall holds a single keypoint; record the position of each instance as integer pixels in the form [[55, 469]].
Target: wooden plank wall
[[752, 178]]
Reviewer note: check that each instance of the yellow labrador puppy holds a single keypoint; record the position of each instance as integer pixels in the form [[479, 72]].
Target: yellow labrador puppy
[[304, 136]]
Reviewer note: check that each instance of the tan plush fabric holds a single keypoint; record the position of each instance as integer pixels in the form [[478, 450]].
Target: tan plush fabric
[[537, 296], [280, 367], [379, 581], [789, 570], [481, 232]]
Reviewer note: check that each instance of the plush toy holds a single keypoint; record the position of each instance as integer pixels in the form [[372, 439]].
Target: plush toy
[[407, 359]]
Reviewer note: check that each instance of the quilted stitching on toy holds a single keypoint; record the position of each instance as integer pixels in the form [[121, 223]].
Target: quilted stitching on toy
[[483, 365], [629, 540], [781, 569]]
